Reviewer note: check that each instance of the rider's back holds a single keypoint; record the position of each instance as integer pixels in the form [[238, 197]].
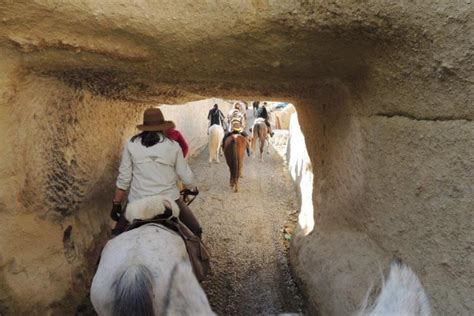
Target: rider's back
[[152, 170], [262, 112]]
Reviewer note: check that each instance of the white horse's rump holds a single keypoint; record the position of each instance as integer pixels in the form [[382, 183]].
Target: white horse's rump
[[402, 294], [216, 134], [147, 270]]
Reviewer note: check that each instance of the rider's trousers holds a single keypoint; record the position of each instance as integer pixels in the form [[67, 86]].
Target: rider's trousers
[[187, 217]]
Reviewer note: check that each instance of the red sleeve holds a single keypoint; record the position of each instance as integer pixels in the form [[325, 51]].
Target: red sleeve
[[175, 135], [183, 143]]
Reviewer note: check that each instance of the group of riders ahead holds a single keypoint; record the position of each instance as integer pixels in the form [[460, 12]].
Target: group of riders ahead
[[153, 161], [237, 119]]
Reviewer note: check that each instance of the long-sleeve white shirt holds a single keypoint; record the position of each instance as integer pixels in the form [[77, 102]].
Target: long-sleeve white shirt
[[153, 170]]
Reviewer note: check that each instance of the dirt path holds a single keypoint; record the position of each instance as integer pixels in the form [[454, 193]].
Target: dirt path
[[244, 234]]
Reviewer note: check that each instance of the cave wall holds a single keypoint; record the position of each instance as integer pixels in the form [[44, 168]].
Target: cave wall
[[62, 147], [384, 98], [385, 185], [301, 171], [59, 162]]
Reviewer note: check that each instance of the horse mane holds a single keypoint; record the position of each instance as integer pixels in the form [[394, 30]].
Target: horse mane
[[133, 292]]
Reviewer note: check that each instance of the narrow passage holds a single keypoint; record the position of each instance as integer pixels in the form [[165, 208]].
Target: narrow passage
[[244, 234]]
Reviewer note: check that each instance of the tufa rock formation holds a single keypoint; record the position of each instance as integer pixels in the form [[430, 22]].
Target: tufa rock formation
[[384, 93]]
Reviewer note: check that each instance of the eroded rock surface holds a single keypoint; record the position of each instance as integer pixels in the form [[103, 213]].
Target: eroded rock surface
[[384, 95]]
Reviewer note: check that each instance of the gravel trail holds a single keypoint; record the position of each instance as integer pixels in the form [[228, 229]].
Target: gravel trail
[[243, 231]]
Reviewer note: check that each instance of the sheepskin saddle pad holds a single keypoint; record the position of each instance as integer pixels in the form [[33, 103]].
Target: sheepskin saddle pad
[[149, 207]]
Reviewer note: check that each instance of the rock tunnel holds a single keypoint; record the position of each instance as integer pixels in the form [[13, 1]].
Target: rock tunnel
[[384, 95]]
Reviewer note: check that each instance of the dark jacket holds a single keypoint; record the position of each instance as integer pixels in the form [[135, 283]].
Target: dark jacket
[[262, 112], [216, 116]]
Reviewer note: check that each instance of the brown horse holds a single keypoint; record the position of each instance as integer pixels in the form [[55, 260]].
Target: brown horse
[[234, 152], [260, 133]]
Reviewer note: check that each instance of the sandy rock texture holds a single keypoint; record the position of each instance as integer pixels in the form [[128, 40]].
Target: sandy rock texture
[[384, 94]]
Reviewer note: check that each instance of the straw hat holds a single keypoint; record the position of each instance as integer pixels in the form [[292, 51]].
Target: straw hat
[[153, 121]]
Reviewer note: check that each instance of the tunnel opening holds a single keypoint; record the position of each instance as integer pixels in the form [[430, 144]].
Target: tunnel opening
[[251, 271], [248, 231]]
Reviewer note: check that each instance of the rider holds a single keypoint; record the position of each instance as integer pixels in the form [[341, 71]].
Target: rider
[[236, 125], [151, 164], [215, 116], [262, 113]]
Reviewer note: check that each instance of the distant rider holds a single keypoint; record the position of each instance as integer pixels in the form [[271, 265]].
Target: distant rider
[[236, 125], [215, 116], [262, 113]]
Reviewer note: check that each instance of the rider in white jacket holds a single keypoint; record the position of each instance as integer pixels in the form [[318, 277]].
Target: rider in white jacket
[[151, 165]]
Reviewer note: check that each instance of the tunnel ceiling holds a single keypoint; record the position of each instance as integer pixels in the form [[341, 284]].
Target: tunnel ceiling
[[236, 42]]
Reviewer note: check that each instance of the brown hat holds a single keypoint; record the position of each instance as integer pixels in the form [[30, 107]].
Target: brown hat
[[153, 121]]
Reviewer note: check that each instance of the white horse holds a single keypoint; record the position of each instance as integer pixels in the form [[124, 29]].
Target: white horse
[[401, 294], [216, 134], [146, 271], [260, 134]]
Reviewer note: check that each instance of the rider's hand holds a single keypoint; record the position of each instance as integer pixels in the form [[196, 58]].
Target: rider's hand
[[193, 188], [116, 211]]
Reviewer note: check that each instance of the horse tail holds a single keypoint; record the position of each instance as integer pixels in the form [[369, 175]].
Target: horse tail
[[134, 292], [234, 170]]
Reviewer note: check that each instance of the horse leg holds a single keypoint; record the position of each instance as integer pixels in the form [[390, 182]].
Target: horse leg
[[236, 184], [209, 146]]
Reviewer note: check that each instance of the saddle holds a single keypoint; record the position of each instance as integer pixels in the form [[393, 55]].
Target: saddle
[[198, 253]]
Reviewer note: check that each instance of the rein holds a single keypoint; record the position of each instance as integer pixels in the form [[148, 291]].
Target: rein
[[186, 193]]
